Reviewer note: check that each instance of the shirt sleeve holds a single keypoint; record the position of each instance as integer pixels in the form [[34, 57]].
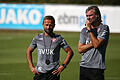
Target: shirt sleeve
[[104, 33], [63, 43], [82, 37], [33, 43]]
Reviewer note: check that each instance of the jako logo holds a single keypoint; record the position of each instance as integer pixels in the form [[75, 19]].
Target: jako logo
[[19, 16]]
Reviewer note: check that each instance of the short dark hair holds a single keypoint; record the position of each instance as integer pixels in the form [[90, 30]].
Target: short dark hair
[[49, 18], [96, 10]]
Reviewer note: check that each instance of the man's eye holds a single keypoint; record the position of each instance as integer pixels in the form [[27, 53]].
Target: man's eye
[[46, 24]]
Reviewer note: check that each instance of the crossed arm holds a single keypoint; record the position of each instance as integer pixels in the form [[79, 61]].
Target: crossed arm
[[95, 43]]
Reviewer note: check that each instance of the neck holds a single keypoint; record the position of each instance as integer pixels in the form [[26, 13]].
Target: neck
[[51, 34], [95, 24], [45, 34]]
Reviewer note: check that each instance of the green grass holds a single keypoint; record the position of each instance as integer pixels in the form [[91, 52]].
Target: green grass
[[13, 63]]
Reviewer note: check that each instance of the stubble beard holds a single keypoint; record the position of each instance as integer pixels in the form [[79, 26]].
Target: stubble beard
[[49, 32]]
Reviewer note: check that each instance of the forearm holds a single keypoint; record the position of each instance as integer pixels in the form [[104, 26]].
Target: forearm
[[69, 56], [94, 40], [29, 58], [83, 48]]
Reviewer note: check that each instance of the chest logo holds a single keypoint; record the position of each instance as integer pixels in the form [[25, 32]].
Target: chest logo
[[98, 29], [53, 39]]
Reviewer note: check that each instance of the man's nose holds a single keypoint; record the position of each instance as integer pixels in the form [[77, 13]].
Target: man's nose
[[88, 18], [48, 26]]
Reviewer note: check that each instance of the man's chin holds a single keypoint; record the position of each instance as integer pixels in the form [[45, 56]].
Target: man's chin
[[90, 21], [48, 32]]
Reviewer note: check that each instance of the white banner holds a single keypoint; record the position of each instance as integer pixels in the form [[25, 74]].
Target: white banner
[[72, 17], [67, 17]]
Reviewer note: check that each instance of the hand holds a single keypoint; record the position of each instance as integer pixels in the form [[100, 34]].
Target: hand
[[88, 24], [58, 71], [33, 70]]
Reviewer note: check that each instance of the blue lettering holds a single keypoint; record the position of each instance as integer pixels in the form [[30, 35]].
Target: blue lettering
[[104, 19], [82, 20]]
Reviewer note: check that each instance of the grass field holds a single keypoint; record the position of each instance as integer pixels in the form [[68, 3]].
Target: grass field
[[13, 63]]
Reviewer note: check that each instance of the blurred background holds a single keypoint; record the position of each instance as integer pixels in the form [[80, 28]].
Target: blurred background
[[21, 20]]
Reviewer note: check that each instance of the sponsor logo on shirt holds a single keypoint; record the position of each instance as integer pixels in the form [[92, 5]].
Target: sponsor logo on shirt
[[46, 51]]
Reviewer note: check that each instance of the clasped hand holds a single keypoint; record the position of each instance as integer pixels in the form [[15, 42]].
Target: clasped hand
[[88, 25]]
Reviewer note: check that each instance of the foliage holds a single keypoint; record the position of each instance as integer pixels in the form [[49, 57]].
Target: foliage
[[99, 2]]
